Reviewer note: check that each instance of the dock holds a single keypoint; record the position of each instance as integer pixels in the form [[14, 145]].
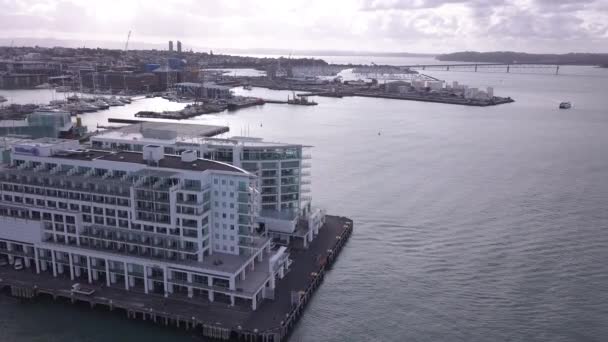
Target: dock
[[272, 322], [124, 121], [275, 101]]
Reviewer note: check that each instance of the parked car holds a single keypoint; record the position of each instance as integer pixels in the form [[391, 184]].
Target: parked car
[[18, 265], [79, 289]]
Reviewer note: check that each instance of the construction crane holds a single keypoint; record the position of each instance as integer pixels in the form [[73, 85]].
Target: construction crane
[[127, 43], [124, 60]]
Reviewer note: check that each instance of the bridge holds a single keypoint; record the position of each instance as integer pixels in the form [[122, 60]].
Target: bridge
[[486, 67]]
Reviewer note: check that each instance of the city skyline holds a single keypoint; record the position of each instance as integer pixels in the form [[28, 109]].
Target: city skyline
[[421, 26]]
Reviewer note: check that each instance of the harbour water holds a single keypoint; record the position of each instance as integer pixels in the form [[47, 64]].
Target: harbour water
[[471, 224]]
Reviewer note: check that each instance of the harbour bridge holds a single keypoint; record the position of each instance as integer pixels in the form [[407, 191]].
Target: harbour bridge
[[488, 67]]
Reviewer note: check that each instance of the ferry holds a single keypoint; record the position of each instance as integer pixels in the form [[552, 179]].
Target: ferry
[[565, 105]]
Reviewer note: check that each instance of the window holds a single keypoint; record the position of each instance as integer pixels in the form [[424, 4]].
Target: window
[[215, 181], [232, 248], [223, 182], [223, 215], [231, 194], [231, 227], [231, 182]]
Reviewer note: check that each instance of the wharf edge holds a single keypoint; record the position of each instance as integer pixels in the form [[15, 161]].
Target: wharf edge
[[332, 238]]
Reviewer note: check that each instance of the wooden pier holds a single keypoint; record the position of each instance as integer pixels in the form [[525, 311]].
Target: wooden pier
[[272, 322]]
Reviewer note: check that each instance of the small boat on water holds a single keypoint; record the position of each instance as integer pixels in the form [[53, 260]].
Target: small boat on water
[[247, 87], [565, 105], [300, 101], [2, 99]]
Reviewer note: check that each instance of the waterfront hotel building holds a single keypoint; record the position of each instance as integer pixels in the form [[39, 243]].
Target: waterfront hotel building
[[152, 219], [282, 169]]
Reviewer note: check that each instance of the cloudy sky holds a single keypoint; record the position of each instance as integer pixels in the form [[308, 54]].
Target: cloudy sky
[[387, 25]]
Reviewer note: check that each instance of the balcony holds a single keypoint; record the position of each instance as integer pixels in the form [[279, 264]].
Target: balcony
[[146, 240], [243, 197]]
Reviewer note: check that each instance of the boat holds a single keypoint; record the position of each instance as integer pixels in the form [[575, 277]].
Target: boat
[[243, 102], [2, 99], [125, 99], [113, 101], [101, 104], [565, 105], [300, 101], [247, 87], [63, 89], [43, 86], [84, 107]]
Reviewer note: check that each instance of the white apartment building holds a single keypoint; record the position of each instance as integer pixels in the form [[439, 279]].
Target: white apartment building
[[140, 221], [282, 170]]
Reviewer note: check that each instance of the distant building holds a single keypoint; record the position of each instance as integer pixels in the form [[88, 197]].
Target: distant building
[[207, 90], [490, 92], [170, 45], [43, 123], [435, 85], [22, 81], [397, 87], [179, 46], [121, 80]]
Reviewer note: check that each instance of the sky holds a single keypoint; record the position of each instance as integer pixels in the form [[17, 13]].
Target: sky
[[417, 26]]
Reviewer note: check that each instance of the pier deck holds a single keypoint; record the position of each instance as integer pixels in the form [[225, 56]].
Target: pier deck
[[273, 320]]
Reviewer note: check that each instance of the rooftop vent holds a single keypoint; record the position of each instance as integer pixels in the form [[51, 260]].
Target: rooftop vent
[[188, 156], [153, 154]]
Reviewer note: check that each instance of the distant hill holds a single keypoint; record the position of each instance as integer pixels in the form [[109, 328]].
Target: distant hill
[[509, 57]]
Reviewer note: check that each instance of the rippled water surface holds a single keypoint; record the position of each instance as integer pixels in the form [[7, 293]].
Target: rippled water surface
[[471, 224]]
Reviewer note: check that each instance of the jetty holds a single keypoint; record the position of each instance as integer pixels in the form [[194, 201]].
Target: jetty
[[272, 322]]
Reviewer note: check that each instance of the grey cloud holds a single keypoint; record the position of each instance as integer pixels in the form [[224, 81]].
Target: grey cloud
[[382, 5]]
